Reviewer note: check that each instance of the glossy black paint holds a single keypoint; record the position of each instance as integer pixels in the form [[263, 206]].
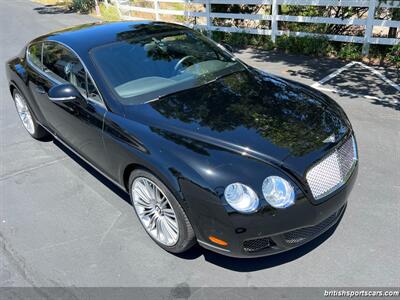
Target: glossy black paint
[[64, 92], [240, 128]]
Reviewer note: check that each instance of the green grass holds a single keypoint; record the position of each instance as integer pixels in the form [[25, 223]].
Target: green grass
[[109, 13]]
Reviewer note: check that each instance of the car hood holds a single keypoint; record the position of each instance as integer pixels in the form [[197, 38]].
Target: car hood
[[252, 113]]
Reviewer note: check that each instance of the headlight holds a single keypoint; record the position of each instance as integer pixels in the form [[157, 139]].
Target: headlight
[[278, 192], [241, 197]]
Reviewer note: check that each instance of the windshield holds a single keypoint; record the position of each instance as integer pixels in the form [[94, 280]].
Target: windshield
[[143, 69]]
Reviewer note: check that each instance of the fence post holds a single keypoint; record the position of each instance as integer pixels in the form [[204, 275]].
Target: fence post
[[208, 17], [157, 9], [369, 26], [274, 21]]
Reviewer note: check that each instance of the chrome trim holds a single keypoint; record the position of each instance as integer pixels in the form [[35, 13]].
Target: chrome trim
[[102, 103], [62, 98]]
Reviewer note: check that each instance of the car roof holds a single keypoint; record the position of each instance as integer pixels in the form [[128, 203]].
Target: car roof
[[84, 37]]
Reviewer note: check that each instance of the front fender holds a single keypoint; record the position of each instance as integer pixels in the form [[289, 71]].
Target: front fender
[[196, 172], [17, 74]]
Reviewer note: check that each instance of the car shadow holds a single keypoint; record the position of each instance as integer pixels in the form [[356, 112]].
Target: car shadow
[[259, 263], [231, 263], [100, 177]]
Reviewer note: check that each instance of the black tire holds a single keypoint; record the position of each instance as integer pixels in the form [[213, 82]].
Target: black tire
[[186, 237], [39, 132]]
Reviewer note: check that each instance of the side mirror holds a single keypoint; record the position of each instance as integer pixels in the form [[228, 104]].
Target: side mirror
[[64, 92], [227, 47]]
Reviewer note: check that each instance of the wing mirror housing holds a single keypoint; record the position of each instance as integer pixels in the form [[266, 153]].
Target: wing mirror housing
[[64, 93]]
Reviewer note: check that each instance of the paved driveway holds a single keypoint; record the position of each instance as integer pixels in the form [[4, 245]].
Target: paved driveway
[[61, 223]]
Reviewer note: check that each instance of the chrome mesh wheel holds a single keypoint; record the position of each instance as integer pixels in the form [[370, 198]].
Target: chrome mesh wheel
[[24, 113], [155, 211]]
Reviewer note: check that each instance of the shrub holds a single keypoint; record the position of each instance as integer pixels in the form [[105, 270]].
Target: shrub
[[268, 44], [235, 39], [350, 51], [238, 39], [379, 51], [307, 45], [83, 6], [394, 56], [109, 13]]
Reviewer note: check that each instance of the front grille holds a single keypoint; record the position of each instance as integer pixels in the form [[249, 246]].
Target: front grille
[[257, 244], [333, 171], [307, 233]]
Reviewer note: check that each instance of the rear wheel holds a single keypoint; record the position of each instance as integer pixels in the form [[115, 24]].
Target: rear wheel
[[160, 213], [27, 118]]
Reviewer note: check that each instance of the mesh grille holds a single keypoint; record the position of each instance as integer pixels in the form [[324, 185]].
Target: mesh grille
[[303, 234], [333, 171], [257, 244]]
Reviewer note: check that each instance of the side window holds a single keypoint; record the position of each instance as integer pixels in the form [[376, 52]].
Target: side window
[[64, 65], [34, 55]]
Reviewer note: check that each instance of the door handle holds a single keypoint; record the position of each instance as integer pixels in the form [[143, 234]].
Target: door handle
[[40, 89]]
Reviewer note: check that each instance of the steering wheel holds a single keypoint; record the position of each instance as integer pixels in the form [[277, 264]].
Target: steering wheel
[[180, 62]]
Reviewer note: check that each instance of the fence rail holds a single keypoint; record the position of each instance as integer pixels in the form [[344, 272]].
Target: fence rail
[[369, 22]]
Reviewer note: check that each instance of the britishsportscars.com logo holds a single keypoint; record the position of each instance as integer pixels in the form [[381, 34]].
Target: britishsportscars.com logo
[[361, 293]]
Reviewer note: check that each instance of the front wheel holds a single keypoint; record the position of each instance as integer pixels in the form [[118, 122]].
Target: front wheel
[[27, 118], [160, 213]]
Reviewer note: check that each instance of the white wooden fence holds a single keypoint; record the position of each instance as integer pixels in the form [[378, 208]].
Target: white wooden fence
[[369, 22]]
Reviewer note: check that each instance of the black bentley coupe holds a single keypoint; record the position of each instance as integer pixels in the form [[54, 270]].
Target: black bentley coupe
[[210, 149]]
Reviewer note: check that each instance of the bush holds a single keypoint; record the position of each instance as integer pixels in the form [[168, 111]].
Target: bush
[[235, 39], [239, 40], [268, 44], [379, 51], [308, 45], [350, 51], [316, 46], [109, 13], [83, 6], [394, 56]]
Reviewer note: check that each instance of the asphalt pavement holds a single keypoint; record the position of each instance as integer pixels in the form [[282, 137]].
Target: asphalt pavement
[[63, 224]]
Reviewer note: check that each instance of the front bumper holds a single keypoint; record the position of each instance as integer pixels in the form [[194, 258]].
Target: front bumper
[[273, 231]]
